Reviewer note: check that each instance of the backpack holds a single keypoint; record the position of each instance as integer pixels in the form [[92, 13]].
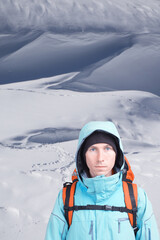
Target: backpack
[[130, 198]]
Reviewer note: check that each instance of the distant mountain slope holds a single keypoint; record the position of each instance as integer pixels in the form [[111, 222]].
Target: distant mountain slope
[[112, 44], [32, 113], [103, 61]]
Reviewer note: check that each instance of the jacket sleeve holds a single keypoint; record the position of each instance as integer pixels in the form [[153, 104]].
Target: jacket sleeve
[[146, 221], [57, 227]]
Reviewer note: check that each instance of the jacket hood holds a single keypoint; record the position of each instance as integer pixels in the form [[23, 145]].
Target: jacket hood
[[104, 126]]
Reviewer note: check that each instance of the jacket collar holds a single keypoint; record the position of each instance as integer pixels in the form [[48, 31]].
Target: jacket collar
[[101, 187]]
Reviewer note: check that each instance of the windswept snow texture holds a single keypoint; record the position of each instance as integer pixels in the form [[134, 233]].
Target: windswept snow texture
[[62, 64], [70, 15]]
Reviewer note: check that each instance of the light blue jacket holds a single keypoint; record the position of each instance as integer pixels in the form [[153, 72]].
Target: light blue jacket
[[101, 190]]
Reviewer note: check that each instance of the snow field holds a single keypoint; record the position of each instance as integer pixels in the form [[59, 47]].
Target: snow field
[[35, 160]]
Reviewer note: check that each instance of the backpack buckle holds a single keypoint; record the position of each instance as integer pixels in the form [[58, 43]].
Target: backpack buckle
[[107, 207], [67, 184], [134, 209], [135, 230]]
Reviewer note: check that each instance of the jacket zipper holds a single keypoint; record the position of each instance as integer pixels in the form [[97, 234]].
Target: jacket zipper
[[91, 230], [147, 230], [149, 234]]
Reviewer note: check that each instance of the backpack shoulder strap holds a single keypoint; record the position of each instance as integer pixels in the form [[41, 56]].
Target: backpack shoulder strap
[[68, 197], [130, 195]]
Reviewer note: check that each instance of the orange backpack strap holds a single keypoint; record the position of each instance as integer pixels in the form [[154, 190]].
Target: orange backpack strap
[[130, 194], [68, 200], [68, 197], [130, 197]]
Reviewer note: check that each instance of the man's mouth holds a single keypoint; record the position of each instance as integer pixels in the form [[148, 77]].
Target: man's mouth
[[100, 166]]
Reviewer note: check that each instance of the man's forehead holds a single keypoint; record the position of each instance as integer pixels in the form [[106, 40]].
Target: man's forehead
[[100, 144]]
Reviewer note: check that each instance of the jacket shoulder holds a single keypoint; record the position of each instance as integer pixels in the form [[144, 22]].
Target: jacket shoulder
[[58, 202], [144, 205]]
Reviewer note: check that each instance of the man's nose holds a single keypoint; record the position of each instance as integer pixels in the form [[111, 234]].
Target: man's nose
[[100, 156]]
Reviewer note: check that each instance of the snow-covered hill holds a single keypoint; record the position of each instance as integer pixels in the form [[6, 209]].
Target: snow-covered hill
[[103, 62], [39, 130], [111, 44]]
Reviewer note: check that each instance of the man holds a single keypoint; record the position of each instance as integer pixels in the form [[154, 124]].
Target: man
[[100, 166]]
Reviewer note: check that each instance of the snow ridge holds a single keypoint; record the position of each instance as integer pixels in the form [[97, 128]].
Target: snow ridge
[[70, 15]]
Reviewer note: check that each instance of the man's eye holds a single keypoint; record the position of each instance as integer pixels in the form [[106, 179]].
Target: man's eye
[[108, 148], [92, 149]]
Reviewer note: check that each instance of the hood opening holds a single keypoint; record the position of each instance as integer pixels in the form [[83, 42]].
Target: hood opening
[[81, 163]]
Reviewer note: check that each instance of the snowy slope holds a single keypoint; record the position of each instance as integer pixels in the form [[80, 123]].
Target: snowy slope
[[93, 56], [48, 38], [35, 160]]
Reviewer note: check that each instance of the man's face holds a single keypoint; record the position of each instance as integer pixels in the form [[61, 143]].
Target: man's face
[[100, 159]]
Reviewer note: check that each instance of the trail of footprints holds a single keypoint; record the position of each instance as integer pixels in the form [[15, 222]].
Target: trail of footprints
[[44, 167], [63, 164]]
